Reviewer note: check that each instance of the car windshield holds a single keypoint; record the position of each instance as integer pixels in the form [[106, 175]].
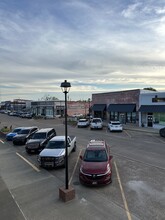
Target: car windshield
[[39, 136], [96, 120], [16, 130], [115, 123], [55, 145], [95, 156], [24, 131], [82, 120]]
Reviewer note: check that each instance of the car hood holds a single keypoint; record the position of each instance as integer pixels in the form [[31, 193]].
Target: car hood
[[11, 134], [94, 167], [52, 152], [34, 141], [20, 136]]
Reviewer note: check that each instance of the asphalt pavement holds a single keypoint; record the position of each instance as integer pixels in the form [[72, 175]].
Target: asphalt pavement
[[45, 196]]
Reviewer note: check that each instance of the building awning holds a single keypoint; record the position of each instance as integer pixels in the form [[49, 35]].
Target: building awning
[[99, 107], [122, 108], [152, 108]]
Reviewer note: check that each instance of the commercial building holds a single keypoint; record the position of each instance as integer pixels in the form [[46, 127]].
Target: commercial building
[[47, 109], [50, 109], [131, 106], [152, 109]]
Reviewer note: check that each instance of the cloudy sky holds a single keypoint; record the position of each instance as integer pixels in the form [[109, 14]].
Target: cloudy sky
[[97, 45]]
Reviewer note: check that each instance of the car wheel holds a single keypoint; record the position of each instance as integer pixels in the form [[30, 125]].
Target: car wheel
[[162, 132], [28, 151], [74, 149]]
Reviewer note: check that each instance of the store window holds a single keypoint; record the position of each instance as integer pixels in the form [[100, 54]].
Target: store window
[[159, 118]]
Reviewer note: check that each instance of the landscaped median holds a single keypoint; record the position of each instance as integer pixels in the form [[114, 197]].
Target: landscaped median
[[5, 130]]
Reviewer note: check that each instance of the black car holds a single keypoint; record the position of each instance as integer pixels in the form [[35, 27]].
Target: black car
[[162, 132], [24, 135], [39, 140]]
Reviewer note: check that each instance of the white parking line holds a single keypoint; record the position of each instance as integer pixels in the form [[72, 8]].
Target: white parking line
[[2, 141], [75, 167], [122, 193], [127, 133], [33, 166]]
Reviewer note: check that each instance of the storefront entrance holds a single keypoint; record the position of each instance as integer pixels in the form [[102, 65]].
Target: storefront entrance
[[149, 120]]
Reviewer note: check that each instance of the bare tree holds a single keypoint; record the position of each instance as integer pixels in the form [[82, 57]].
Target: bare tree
[[150, 88]]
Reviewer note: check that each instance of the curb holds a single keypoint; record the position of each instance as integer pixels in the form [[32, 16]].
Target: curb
[[2, 134]]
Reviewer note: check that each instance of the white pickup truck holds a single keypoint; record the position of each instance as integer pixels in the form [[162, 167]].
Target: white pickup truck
[[53, 154]]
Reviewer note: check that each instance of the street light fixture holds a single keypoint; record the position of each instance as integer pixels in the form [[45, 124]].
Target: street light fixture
[[68, 193]]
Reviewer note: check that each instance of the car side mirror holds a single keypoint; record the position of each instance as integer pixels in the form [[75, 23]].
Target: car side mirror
[[81, 157]]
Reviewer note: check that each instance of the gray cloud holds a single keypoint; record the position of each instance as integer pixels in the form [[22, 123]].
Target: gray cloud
[[96, 45]]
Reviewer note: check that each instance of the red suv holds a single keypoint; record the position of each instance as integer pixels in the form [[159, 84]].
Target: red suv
[[96, 167]]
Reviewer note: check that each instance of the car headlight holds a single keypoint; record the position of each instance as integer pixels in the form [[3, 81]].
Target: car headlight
[[60, 158], [108, 169], [81, 171]]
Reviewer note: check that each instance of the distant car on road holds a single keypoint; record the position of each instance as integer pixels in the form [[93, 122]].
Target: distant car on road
[[162, 132], [96, 166], [39, 140], [96, 123], [82, 123], [23, 135], [115, 126], [9, 136]]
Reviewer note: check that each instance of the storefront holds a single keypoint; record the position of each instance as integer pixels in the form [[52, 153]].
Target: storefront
[[152, 116], [47, 109], [99, 110], [122, 112]]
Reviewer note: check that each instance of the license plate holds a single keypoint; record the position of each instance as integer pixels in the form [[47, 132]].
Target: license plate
[[94, 183], [49, 163]]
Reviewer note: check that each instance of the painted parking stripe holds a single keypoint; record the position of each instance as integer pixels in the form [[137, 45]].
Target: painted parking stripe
[[123, 195], [2, 141], [28, 162], [127, 133], [75, 167]]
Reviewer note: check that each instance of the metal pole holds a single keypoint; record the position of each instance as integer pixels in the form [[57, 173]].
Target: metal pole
[[66, 144]]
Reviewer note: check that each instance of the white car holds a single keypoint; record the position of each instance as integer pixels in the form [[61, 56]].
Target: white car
[[115, 126], [96, 123], [82, 123]]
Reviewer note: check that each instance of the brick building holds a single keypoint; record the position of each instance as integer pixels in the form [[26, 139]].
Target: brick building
[[121, 105], [145, 106]]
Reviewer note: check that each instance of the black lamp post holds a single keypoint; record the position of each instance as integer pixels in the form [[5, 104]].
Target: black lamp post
[[65, 86], [89, 105]]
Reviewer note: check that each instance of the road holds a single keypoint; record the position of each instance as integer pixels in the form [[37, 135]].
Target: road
[[137, 191]]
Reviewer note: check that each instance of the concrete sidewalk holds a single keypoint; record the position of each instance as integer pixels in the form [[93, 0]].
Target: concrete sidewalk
[[135, 127]]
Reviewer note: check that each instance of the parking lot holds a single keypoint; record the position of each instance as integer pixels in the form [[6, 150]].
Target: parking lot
[[137, 190]]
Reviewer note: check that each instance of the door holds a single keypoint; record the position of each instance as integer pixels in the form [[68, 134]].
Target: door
[[149, 120]]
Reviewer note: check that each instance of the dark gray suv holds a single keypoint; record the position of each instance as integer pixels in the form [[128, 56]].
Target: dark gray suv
[[24, 134], [39, 140]]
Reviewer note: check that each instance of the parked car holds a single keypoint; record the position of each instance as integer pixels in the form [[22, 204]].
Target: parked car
[[9, 136], [78, 115], [96, 123], [96, 167], [115, 126], [162, 132], [25, 134], [82, 123], [39, 140], [54, 153]]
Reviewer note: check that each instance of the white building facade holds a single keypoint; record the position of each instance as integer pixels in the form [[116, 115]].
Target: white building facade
[[152, 109]]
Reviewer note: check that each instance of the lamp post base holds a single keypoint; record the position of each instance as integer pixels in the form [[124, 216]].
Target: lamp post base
[[66, 194]]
